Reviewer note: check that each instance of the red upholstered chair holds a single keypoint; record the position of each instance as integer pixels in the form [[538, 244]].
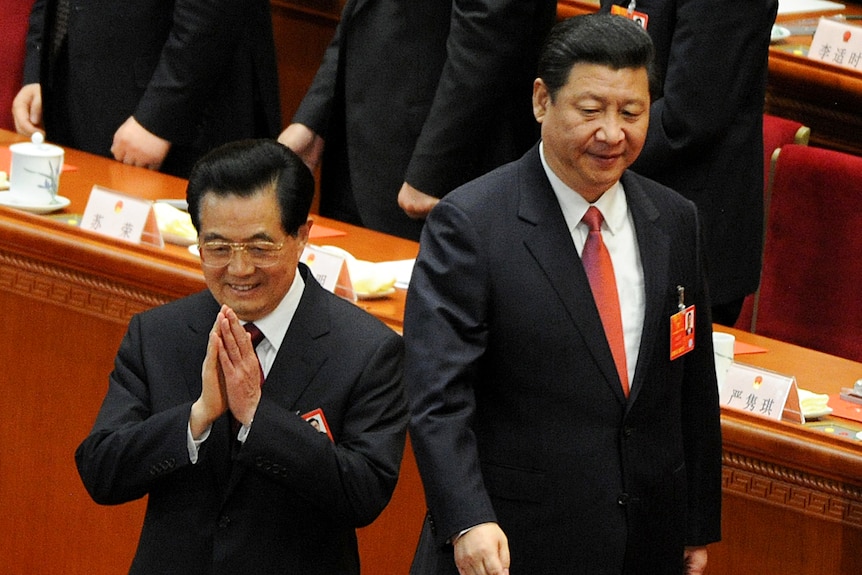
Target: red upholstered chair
[[14, 18], [811, 284], [777, 132]]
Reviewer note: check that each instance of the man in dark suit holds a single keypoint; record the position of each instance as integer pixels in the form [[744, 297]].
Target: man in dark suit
[[237, 479], [148, 82], [548, 442], [414, 99], [705, 138]]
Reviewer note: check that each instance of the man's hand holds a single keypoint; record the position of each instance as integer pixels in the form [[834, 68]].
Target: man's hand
[[136, 146], [695, 560], [305, 143], [415, 204], [240, 367], [213, 399], [483, 550], [27, 110]]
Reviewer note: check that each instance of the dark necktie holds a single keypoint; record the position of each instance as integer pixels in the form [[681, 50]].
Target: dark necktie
[[603, 283], [256, 338]]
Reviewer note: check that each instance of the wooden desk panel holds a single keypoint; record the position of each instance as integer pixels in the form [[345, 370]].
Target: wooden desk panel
[[792, 495]]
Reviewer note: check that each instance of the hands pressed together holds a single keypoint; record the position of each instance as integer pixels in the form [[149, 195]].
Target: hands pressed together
[[230, 375]]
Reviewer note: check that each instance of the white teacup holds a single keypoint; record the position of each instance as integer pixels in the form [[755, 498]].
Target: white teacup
[[722, 346], [34, 176]]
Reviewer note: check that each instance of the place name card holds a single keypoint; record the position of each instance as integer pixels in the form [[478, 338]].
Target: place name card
[[762, 393], [837, 43], [123, 217], [330, 270]]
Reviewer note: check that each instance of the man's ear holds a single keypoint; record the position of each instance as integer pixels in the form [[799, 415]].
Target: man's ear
[[302, 233], [541, 99]]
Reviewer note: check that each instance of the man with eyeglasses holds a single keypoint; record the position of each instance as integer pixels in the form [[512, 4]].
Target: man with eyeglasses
[[215, 431]]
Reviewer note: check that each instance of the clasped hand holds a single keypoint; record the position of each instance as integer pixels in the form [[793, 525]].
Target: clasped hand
[[230, 375]]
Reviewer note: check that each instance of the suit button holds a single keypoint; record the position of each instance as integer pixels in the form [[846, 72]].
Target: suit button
[[627, 431], [223, 521], [623, 499]]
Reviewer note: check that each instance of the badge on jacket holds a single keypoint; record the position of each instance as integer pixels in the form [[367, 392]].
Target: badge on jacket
[[681, 327]]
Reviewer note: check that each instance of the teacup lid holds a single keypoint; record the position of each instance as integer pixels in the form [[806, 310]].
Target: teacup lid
[[36, 147]]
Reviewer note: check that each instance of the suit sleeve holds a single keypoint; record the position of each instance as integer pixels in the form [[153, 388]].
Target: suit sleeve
[[445, 336], [33, 49], [701, 424], [201, 42], [716, 55], [486, 48], [130, 447], [315, 110]]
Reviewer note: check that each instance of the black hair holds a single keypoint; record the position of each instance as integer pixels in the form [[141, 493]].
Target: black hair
[[247, 167], [604, 39]]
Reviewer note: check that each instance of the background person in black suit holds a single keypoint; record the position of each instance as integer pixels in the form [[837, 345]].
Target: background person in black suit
[[148, 82], [274, 495], [532, 455], [415, 98], [705, 138]]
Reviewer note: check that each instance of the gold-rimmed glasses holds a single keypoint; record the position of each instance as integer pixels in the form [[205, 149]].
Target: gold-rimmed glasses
[[218, 253]]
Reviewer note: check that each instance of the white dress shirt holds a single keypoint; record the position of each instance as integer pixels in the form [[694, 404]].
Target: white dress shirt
[[618, 234]]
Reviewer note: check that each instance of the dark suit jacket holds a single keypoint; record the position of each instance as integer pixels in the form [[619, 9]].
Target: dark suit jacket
[[517, 412], [432, 93], [705, 136], [289, 499], [198, 74]]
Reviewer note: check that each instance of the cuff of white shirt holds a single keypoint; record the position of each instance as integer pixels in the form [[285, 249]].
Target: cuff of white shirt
[[461, 534], [193, 444], [243, 432]]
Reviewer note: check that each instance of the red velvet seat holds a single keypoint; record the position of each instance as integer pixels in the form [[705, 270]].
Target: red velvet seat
[[777, 132], [14, 18], [811, 284]]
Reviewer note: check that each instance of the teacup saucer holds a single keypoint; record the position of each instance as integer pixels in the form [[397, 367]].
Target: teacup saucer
[[8, 201]]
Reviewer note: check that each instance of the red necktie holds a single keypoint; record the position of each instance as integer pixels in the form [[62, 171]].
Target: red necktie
[[256, 338], [600, 272]]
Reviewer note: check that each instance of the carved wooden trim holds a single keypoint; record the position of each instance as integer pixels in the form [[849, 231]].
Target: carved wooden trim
[[826, 499], [84, 293]]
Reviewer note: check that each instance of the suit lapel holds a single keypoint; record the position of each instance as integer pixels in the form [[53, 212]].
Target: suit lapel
[[300, 357], [550, 243], [654, 247]]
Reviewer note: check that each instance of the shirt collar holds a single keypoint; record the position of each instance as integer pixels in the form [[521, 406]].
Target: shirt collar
[[612, 203], [274, 325]]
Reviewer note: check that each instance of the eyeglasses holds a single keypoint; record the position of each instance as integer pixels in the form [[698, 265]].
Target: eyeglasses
[[217, 253]]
